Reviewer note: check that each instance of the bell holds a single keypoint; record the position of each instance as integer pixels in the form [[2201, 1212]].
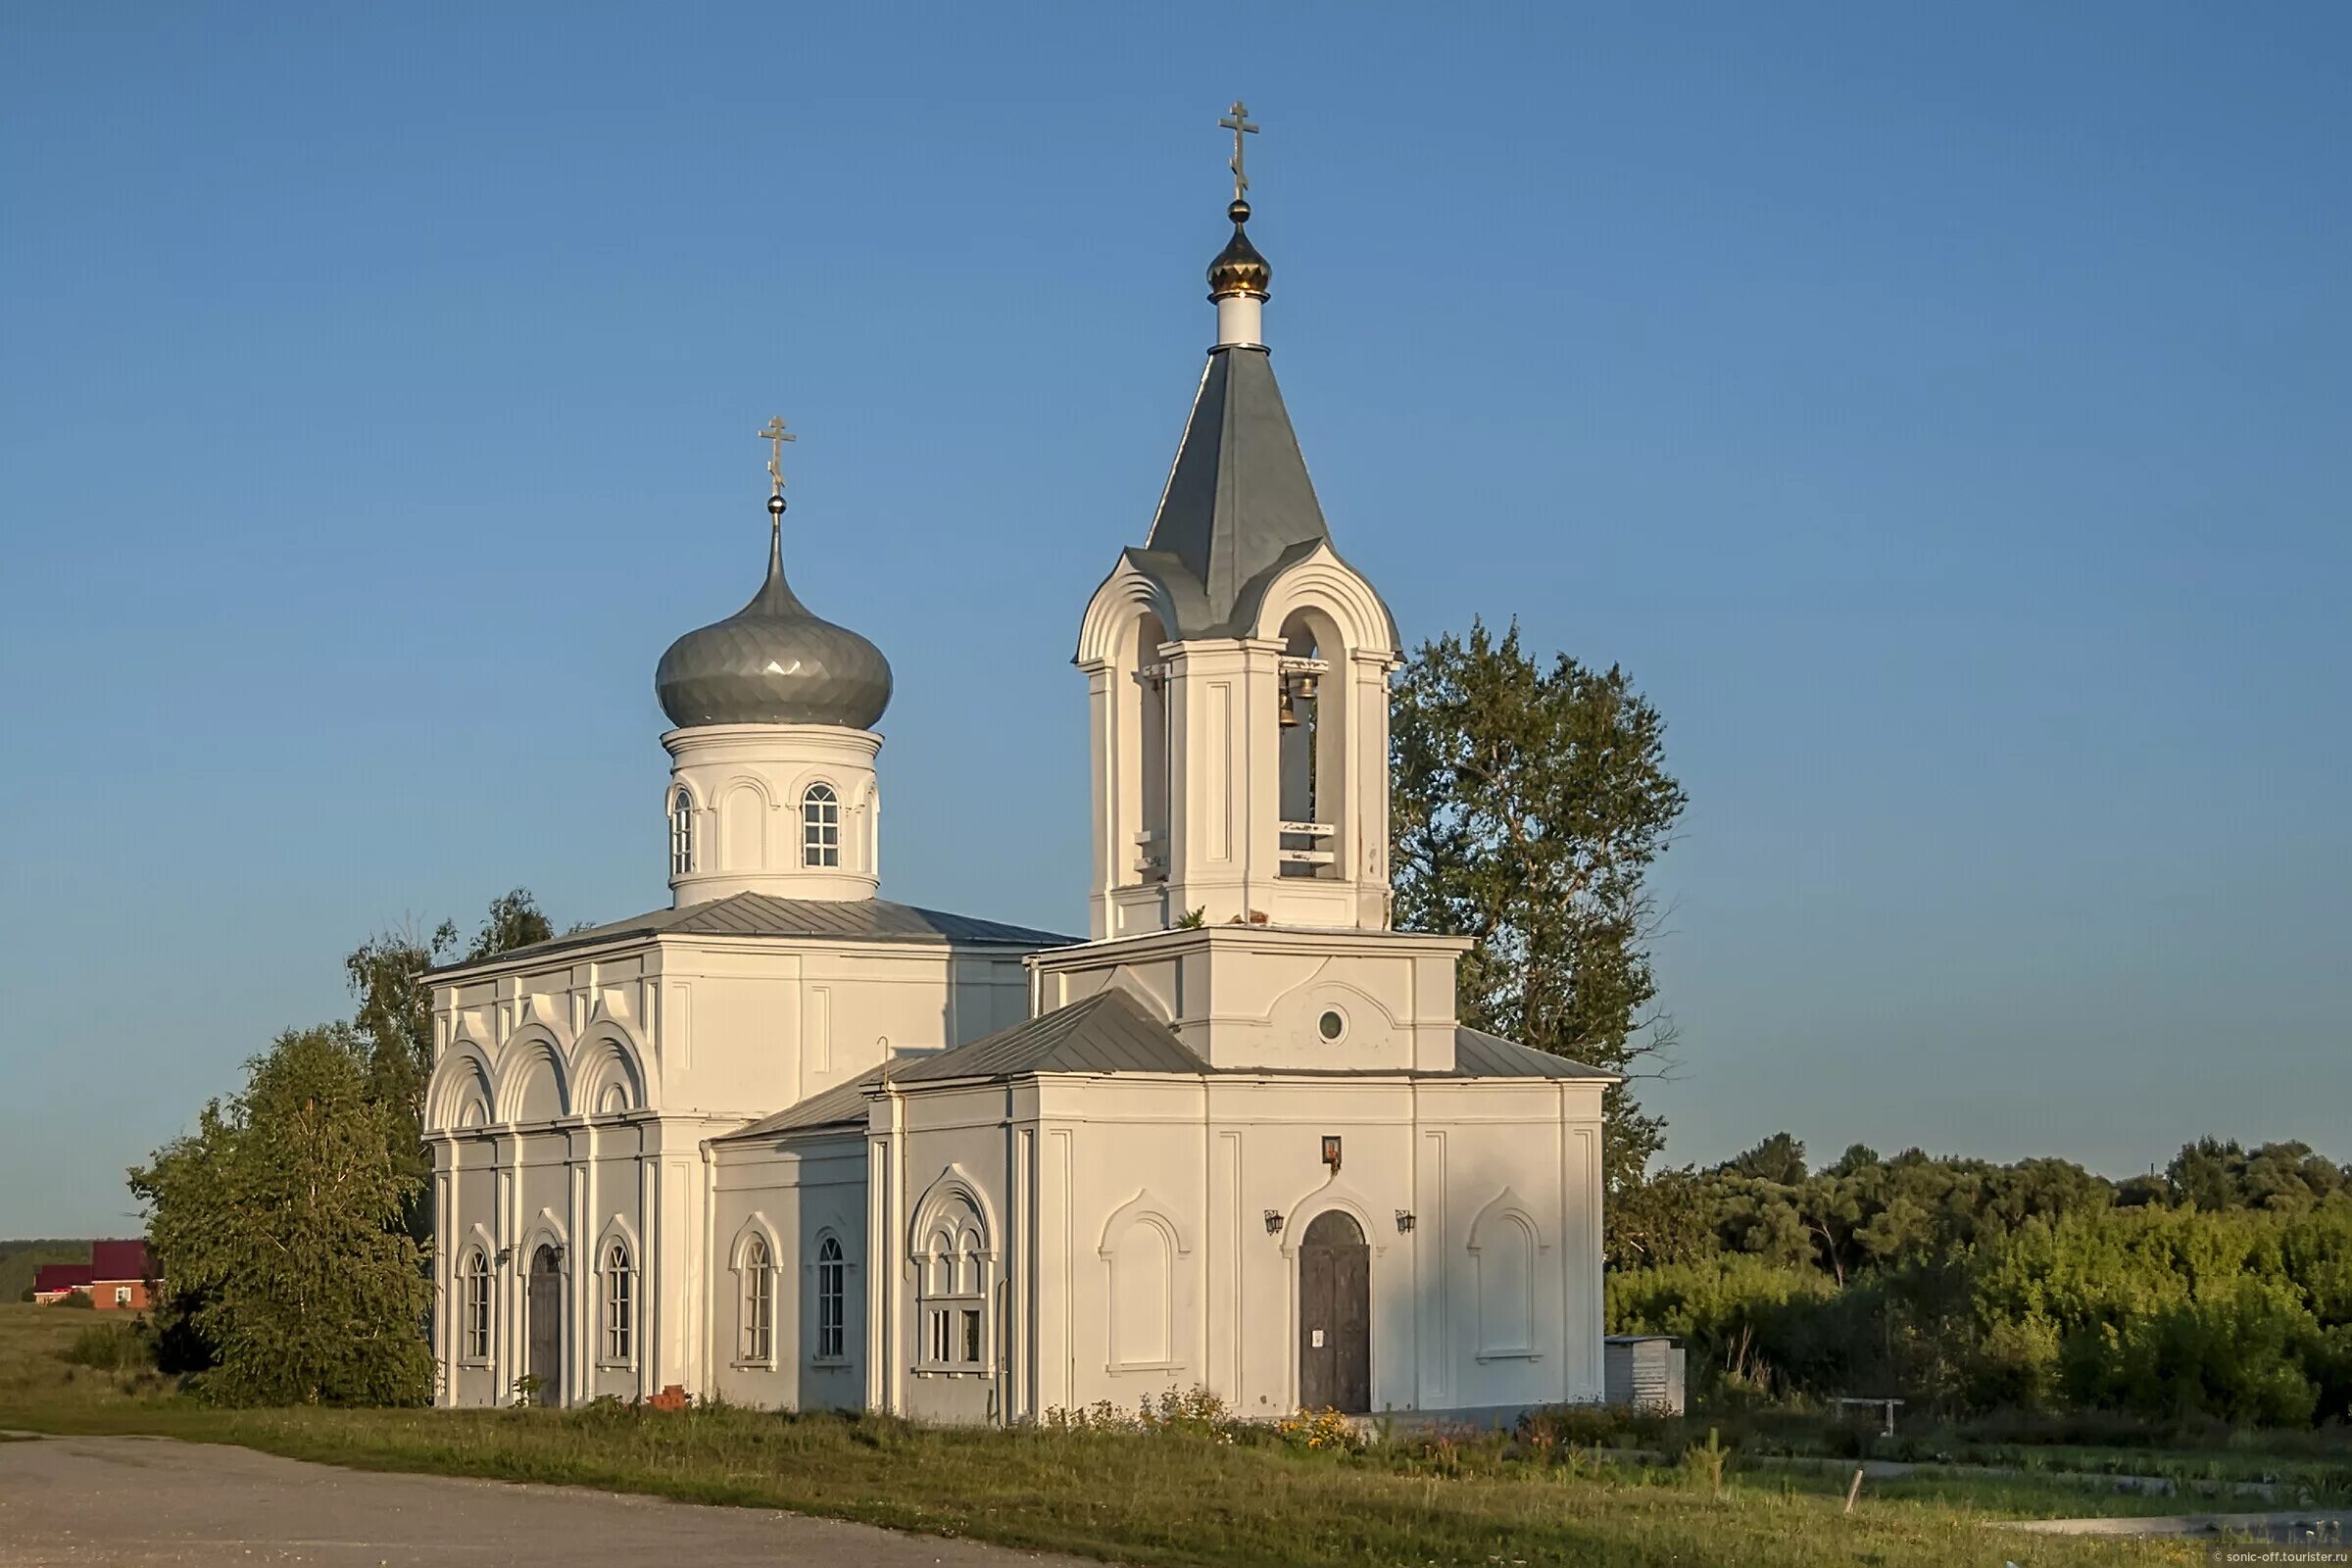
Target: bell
[[1287, 715], [1305, 685]]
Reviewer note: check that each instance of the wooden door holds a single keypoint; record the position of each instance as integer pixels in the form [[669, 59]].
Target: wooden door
[[1335, 1316], [545, 1300]]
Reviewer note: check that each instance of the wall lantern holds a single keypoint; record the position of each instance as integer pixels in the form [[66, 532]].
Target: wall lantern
[[1273, 1222], [1404, 1222], [1331, 1151], [506, 1255]]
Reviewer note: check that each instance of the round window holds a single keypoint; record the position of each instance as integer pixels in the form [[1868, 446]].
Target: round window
[[1332, 1024]]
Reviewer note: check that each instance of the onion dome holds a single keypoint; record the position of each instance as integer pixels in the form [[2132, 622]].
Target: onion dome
[[774, 662], [1239, 268]]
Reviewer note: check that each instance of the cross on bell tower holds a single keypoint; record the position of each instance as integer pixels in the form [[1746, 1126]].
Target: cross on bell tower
[[1237, 122]]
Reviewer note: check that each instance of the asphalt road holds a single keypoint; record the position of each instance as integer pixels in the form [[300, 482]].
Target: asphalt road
[[99, 1502]]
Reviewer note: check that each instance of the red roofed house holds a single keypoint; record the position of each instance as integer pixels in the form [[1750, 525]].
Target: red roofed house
[[119, 1277]]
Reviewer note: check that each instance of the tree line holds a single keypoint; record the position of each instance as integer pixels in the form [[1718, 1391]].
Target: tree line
[[2220, 1288]]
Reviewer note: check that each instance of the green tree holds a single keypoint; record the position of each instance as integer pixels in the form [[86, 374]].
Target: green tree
[[282, 1219], [1667, 1217], [1779, 1158], [394, 1023], [1529, 804], [515, 921], [2207, 1173]]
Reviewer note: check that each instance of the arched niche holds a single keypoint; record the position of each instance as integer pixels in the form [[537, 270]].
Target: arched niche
[[533, 1084], [461, 1095], [1505, 1248], [607, 1073], [1142, 1247], [743, 812]]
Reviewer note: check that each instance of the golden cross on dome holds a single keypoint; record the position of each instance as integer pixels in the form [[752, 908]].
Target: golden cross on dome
[[775, 436], [1237, 122]]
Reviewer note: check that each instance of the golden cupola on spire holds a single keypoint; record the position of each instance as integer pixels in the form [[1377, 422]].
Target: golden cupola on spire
[[1239, 268]]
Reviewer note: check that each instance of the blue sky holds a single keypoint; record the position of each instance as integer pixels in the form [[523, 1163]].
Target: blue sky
[[1943, 418]]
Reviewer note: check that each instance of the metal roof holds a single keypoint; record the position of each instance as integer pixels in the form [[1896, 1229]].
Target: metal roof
[[1239, 506], [763, 915], [1239, 495], [773, 661], [1109, 1031], [1478, 1054], [842, 1104]]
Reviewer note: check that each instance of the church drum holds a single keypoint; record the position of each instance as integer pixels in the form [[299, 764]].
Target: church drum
[[1335, 1316], [546, 1317]]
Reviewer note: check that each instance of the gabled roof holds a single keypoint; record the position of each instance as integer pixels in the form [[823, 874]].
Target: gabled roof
[[1109, 1031], [763, 915]]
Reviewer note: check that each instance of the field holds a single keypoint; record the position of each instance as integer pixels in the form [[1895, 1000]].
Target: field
[[1160, 1497]]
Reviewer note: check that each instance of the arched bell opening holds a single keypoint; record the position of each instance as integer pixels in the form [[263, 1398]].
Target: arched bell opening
[[1311, 717], [1144, 678]]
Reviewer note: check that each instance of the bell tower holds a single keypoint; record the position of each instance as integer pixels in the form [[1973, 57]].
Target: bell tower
[[1238, 668]]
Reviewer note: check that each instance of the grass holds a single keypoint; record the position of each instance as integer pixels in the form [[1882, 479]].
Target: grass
[[1160, 1498], [2303, 1468]]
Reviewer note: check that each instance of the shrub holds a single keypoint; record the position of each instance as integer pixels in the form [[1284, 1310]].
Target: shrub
[[113, 1346], [1750, 1325]]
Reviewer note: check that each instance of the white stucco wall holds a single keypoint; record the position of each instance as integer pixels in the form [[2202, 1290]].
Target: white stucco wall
[[572, 1097], [793, 1194], [1068, 1168]]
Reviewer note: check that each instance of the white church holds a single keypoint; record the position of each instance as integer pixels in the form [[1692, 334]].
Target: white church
[[789, 1144]]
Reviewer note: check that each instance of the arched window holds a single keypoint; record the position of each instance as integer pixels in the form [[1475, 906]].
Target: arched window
[[831, 1297], [618, 1300], [956, 1307], [681, 834], [474, 1277], [758, 1302], [820, 826]]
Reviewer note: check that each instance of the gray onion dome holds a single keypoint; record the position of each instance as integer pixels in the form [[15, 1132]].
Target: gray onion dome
[[774, 662]]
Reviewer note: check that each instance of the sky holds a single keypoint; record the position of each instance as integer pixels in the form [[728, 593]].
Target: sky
[[1943, 418]]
